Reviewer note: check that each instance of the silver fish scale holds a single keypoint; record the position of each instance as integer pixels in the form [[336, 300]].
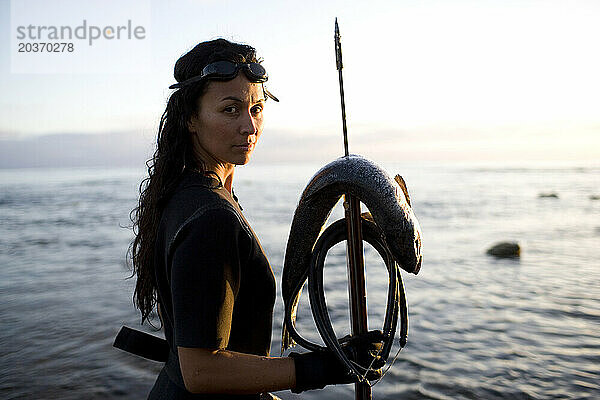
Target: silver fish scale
[[383, 197]]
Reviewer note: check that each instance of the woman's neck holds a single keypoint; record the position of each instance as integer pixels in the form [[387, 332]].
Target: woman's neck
[[224, 172], [228, 181]]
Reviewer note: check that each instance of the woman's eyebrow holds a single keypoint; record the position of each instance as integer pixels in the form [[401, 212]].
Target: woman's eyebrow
[[261, 100], [231, 98]]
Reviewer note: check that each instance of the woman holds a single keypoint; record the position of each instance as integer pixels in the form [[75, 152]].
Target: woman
[[194, 254]]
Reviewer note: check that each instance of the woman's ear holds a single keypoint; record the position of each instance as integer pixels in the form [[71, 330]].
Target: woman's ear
[[192, 123]]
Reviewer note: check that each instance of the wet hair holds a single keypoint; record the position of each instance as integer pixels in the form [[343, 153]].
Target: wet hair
[[174, 151]]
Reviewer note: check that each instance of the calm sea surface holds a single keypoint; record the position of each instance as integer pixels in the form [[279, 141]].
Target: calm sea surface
[[480, 328]]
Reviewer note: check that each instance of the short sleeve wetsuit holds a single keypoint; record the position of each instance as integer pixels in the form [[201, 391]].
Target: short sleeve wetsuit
[[215, 286]]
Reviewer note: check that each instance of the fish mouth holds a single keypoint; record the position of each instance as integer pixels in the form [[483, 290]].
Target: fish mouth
[[418, 267], [418, 254]]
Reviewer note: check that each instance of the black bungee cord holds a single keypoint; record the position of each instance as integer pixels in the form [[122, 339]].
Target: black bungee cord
[[396, 297]]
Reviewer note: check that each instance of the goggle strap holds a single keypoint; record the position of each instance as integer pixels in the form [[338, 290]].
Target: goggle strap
[[270, 95], [187, 82]]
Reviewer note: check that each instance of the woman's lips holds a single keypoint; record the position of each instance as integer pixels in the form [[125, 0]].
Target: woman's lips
[[246, 147]]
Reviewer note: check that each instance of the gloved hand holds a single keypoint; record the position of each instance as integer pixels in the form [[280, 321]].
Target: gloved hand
[[316, 369]]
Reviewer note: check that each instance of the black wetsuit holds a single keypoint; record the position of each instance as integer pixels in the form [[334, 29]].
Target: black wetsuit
[[215, 286]]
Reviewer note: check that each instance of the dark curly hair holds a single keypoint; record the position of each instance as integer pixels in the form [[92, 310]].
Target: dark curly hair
[[173, 153]]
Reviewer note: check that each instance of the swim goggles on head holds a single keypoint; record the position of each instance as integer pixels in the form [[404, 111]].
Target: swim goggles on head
[[226, 70]]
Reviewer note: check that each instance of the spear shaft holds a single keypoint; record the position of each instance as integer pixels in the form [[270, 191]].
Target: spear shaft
[[357, 294], [339, 66]]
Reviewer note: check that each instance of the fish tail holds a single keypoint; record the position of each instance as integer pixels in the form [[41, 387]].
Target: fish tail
[[286, 339]]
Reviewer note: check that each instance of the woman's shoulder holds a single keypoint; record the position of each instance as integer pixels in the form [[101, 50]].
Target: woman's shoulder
[[193, 190], [191, 180], [199, 201], [210, 224], [220, 222]]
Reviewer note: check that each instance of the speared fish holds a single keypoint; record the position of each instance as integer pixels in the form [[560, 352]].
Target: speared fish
[[388, 202]]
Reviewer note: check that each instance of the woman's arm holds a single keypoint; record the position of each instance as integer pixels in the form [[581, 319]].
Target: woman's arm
[[205, 280], [224, 371]]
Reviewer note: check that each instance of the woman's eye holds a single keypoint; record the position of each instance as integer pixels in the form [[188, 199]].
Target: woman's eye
[[230, 110], [257, 109]]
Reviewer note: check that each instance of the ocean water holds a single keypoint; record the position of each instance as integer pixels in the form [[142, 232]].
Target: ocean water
[[480, 327]]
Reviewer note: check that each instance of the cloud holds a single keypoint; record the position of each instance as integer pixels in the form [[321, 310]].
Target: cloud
[[426, 143], [74, 150]]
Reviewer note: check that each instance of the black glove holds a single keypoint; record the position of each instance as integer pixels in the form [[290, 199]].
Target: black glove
[[316, 369]]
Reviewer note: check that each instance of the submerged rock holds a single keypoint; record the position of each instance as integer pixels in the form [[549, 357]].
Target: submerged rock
[[595, 197], [505, 249], [548, 195]]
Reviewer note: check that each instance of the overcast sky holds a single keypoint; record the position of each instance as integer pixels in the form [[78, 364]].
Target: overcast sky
[[477, 78]]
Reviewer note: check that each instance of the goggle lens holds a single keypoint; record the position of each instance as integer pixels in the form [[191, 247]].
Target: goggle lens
[[257, 70], [228, 70], [220, 68]]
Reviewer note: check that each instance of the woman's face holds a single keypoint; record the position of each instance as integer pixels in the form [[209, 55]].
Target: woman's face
[[228, 121]]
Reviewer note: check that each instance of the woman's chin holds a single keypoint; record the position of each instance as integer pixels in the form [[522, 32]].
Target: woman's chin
[[243, 160]]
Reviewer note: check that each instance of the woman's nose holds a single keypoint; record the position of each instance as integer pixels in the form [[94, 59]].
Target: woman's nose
[[249, 124]]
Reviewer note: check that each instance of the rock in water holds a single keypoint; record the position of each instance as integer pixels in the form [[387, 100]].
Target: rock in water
[[548, 195], [505, 249]]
